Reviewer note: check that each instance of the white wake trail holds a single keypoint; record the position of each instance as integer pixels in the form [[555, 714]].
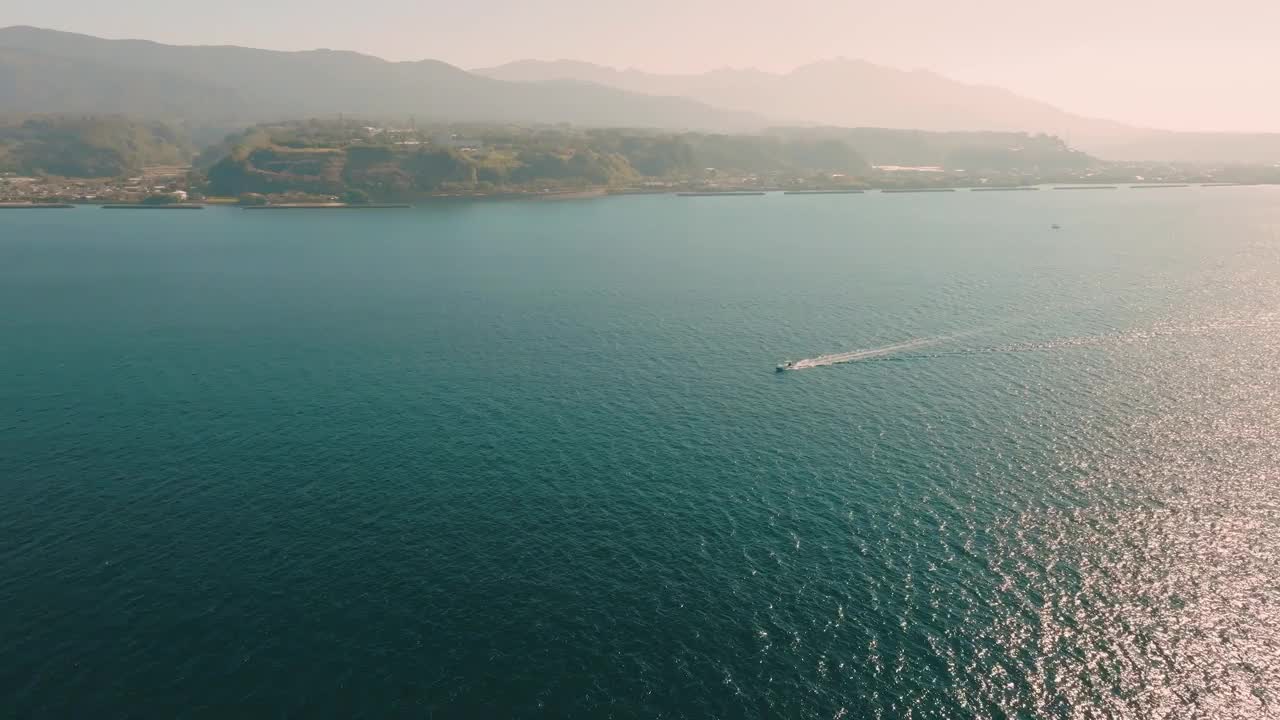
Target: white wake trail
[[837, 358]]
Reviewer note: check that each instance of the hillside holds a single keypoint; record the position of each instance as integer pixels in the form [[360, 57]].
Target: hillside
[[88, 146], [43, 71]]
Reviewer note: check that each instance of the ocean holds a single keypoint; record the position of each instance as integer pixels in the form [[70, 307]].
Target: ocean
[[533, 459]]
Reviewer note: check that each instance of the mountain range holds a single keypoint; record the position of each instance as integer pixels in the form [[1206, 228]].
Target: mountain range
[[46, 71]]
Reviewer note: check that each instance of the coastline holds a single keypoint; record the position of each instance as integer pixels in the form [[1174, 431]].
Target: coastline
[[824, 192], [327, 206], [603, 192], [139, 206]]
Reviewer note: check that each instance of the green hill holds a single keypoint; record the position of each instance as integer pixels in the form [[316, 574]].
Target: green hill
[[329, 157], [973, 151]]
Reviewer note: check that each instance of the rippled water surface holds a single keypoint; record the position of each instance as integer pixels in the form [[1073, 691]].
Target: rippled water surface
[[533, 459]]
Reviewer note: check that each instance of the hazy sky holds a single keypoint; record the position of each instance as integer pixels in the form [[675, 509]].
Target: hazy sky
[[1179, 64]]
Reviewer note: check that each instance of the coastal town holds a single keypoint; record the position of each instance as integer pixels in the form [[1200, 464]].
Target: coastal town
[[339, 162], [166, 181], [349, 162]]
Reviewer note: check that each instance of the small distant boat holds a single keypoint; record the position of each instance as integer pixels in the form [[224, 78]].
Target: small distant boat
[[1055, 226], [788, 365]]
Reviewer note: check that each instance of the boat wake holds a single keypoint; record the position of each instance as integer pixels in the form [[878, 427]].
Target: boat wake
[[855, 356], [1152, 333]]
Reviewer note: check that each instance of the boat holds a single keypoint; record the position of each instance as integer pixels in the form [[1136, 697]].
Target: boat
[[788, 365], [1055, 226]]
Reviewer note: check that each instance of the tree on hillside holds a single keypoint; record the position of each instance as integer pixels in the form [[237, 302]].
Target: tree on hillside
[[826, 155]]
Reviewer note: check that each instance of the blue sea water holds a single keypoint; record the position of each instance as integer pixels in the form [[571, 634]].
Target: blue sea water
[[532, 459]]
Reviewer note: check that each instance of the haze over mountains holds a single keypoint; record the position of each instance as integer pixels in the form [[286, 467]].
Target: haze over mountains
[[856, 93], [44, 71], [837, 92]]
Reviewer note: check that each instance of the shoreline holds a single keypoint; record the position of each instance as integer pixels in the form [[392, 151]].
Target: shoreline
[[597, 193], [824, 192], [326, 206], [139, 206]]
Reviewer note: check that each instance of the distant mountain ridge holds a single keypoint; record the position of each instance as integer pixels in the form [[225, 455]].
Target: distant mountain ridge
[[212, 87], [856, 93], [46, 71], [849, 93]]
